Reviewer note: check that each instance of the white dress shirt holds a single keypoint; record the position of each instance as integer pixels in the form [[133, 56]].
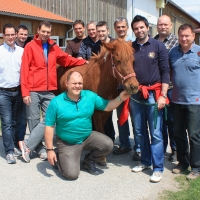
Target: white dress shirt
[[10, 64]]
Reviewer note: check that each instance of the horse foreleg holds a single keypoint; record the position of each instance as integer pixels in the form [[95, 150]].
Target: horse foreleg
[[99, 119]]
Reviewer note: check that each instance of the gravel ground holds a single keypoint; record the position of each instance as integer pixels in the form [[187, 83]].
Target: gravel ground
[[38, 180]]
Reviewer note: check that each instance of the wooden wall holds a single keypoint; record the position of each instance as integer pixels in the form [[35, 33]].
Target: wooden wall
[[86, 10], [58, 29], [178, 18]]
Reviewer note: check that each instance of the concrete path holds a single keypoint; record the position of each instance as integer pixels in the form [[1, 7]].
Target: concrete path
[[38, 180]]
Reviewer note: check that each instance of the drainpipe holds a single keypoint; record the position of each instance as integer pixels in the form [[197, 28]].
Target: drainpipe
[[133, 13], [67, 33]]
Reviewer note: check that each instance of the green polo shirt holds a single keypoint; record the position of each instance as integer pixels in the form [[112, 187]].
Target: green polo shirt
[[73, 120]]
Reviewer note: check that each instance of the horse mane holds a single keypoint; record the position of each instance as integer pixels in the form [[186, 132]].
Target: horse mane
[[123, 50]]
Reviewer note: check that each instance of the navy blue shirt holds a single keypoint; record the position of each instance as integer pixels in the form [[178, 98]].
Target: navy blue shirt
[[97, 46], [151, 62], [85, 50]]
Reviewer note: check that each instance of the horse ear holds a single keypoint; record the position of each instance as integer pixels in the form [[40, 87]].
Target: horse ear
[[108, 46]]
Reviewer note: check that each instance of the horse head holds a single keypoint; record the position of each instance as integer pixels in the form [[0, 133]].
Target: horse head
[[121, 53]]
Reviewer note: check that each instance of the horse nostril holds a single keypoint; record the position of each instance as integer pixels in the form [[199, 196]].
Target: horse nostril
[[132, 87]]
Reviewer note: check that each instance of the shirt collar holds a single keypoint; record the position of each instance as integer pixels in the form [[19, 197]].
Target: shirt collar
[[192, 49], [147, 42], [82, 94], [8, 47]]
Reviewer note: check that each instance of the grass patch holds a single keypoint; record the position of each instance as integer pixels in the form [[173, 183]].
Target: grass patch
[[189, 190]]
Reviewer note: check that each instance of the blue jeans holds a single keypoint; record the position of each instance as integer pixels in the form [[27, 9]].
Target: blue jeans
[[22, 124], [187, 116], [9, 111], [168, 127], [151, 153]]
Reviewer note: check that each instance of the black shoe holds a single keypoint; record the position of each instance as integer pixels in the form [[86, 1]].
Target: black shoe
[[90, 166], [136, 156], [121, 150], [173, 156]]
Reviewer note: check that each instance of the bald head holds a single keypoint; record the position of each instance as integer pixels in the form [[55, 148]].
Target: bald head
[[164, 26], [74, 74]]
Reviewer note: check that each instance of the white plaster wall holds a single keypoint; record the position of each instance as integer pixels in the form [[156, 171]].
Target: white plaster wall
[[146, 8]]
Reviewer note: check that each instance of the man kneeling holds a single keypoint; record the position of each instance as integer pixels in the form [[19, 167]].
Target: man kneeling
[[71, 112]]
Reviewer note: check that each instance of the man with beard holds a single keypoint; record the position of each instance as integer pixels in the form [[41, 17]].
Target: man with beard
[[152, 71]]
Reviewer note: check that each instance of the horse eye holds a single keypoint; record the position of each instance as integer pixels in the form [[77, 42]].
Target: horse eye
[[118, 61]]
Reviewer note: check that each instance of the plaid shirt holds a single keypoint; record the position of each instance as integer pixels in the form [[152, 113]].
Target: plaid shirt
[[170, 41]]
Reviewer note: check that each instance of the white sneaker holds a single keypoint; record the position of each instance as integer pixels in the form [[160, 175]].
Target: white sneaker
[[140, 168], [156, 177]]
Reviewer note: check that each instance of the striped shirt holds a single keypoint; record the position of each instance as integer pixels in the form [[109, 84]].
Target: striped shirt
[[170, 41], [10, 64]]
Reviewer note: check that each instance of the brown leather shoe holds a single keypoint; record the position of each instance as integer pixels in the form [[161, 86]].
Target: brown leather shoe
[[192, 175], [179, 169], [121, 150], [102, 162]]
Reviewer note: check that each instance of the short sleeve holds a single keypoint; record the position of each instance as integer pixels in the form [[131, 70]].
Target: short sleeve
[[51, 113], [100, 103]]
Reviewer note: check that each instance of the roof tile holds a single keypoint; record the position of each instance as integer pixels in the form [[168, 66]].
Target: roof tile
[[23, 8]]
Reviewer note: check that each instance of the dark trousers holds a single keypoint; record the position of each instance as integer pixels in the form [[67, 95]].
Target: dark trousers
[[109, 128], [69, 154], [168, 127], [187, 116], [22, 124], [9, 111]]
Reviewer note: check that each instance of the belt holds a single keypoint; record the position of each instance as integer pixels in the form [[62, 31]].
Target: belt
[[13, 89]]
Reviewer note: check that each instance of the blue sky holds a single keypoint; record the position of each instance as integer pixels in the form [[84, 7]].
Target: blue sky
[[190, 6]]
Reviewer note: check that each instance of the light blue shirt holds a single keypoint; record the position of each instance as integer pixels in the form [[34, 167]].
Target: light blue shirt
[[129, 38], [185, 75], [10, 64], [45, 48]]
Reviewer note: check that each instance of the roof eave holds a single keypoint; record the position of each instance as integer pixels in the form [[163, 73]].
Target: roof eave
[[33, 17], [171, 2]]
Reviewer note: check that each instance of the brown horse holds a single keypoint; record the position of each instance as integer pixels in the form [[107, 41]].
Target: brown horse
[[113, 65]]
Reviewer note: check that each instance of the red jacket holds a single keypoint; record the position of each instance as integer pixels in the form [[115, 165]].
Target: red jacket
[[36, 73]]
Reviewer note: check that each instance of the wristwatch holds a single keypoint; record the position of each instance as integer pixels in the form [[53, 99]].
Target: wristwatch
[[119, 99], [163, 95], [49, 150]]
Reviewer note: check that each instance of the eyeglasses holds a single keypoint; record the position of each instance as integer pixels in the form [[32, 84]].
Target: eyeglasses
[[10, 35]]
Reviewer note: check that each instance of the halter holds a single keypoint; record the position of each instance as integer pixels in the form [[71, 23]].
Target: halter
[[123, 78]]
